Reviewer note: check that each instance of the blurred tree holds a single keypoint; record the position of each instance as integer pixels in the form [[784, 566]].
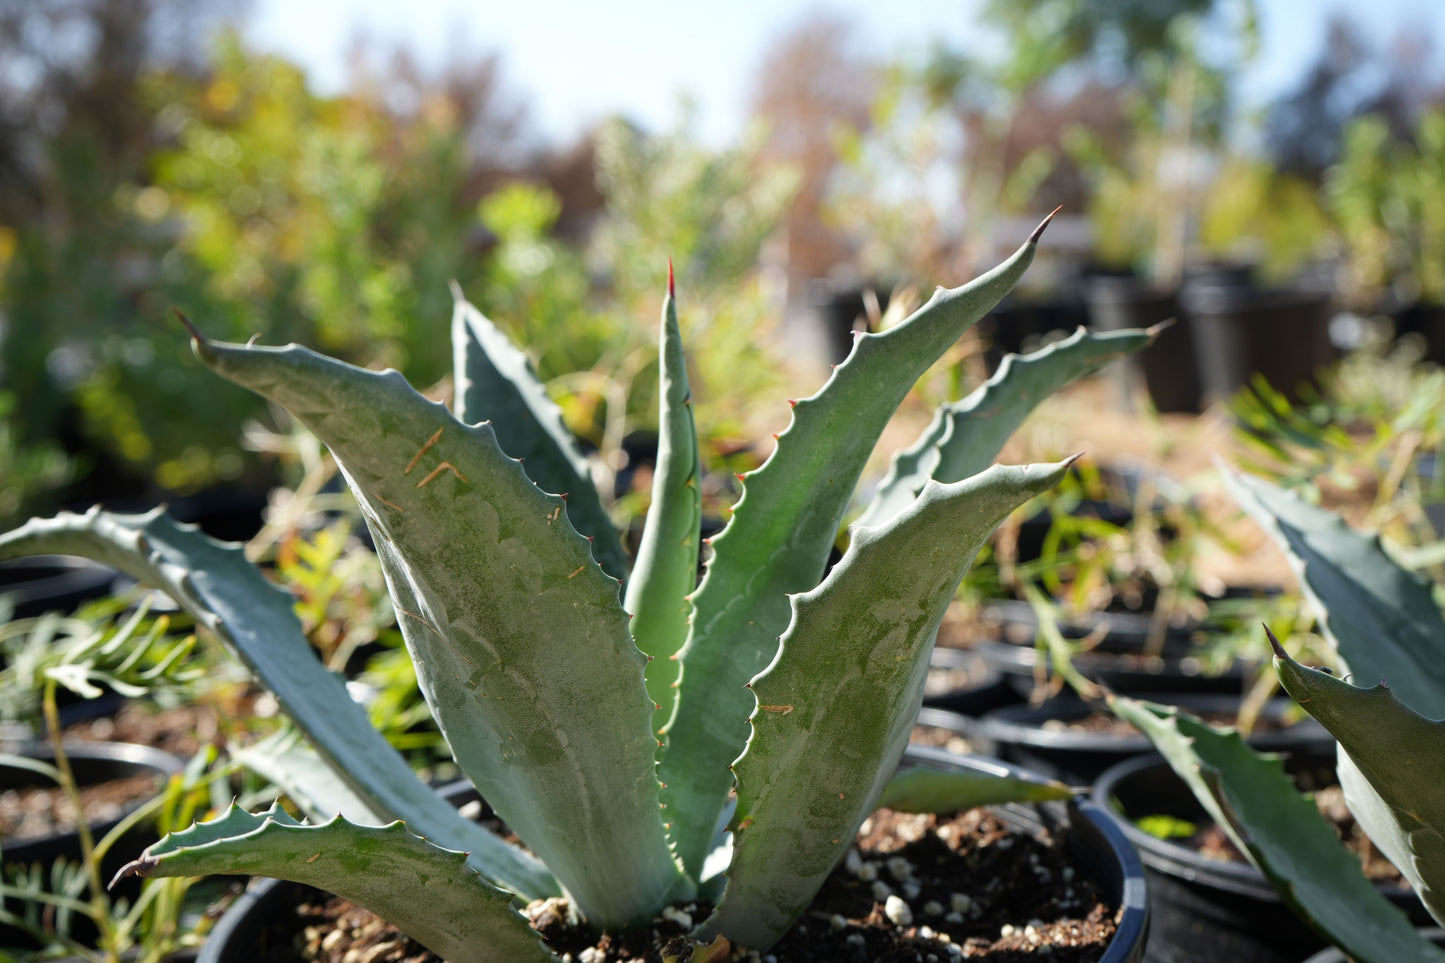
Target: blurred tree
[[72, 130], [71, 72], [813, 89], [259, 208], [1304, 131]]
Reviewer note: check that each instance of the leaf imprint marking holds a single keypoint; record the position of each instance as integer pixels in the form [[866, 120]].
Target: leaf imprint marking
[[423, 621], [388, 504], [423, 450], [783, 709], [444, 466], [579, 571]]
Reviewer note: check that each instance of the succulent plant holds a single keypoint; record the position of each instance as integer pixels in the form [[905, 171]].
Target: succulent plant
[[1387, 629], [607, 728]]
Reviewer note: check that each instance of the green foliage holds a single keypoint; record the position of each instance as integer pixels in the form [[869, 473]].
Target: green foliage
[[49, 904], [132, 654], [1256, 213], [526, 654], [1387, 196]]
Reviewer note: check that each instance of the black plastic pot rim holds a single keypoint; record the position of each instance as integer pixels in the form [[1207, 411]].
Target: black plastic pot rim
[[124, 752], [1333, 955], [1172, 858], [1021, 660], [1023, 725]]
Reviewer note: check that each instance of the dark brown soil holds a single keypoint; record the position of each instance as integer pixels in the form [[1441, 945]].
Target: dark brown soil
[[38, 811], [180, 731], [1110, 724], [918, 888], [942, 738]]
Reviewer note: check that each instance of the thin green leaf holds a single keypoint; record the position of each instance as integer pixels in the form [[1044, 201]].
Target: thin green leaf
[[778, 540], [665, 572], [925, 790], [298, 771], [836, 706], [462, 918]]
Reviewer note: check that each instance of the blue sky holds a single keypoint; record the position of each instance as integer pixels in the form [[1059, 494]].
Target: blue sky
[[575, 61]]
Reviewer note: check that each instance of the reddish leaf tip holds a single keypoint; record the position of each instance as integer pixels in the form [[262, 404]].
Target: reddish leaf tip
[[191, 328], [1279, 651], [1039, 231], [671, 286]]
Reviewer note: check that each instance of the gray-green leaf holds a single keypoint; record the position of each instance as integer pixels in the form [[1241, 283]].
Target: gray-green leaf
[[520, 641], [836, 706], [460, 917]]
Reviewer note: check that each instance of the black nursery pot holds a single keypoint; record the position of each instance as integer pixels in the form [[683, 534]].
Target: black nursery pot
[[1160, 675], [258, 919], [53, 583], [1022, 734], [1167, 369], [1206, 910], [1332, 955], [92, 763], [1238, 331]]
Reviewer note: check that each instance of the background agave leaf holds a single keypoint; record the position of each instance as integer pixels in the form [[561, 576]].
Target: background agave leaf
[[1252, 798], [1384, 623]]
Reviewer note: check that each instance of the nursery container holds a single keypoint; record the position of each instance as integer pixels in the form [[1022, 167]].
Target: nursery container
[[1168, 370], [1240, 331], [1205, 910], [1100, 850]]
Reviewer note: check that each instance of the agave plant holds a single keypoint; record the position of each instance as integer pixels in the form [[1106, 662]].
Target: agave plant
[[1386, 627], [608, 728]]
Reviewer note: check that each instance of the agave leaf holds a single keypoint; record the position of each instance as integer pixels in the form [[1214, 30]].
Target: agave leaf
[[965, 437], [1396, 753], [1253, 799], [228, 595], [495, 382], [836, 706], [1380, 617], [463, 918], [925, 790], [521, 645], [1384, 623], [665, 571], [778, 539]]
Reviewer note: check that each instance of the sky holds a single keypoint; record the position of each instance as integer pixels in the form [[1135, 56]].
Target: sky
[[574, 62]]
